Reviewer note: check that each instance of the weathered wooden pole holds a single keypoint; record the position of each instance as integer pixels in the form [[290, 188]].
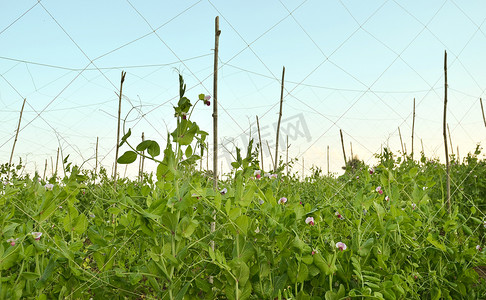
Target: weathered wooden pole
[[445, 135], [217, 33], [413, 123], [96, 158], [275, 165], [16, 136], [342, 144], [401, 142], [482, 111], [45, 170], [118, 130], [327, 160], [351, 146], [57, 161]]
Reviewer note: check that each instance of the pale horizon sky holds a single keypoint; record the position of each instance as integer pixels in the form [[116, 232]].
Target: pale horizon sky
[[350, 65]]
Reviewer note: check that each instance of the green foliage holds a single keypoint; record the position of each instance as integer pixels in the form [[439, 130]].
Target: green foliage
[[153, 239]]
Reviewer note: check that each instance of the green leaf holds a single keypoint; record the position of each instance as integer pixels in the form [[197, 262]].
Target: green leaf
[[48, 271], [152, 147], [365, 248], [188, 151], [242, 223], [81, 224], [127, 157], [437, 244], [183, 291]]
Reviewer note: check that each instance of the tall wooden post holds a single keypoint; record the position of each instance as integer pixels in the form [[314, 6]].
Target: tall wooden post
[[445, 135], [217, 33], [275, 165], [118, 130]]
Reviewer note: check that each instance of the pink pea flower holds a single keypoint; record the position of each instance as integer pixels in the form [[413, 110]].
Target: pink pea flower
[[478, 248], [314, 251], [341, 246], [223, 191], [273, 176], [371, 170], [387, 198], [184, 115], [12, 241], [261, 202], [257, 174], [282, 200], [206, 100], [36, 235], [49, 186], [310, 221], [414, 205], [339, 216], [300, 202], [379, 190]]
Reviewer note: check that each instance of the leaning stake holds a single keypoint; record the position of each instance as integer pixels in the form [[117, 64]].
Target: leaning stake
[[16, 136], [279, 119], [118, 130], [482, 111], [445, 135], [342, 144]]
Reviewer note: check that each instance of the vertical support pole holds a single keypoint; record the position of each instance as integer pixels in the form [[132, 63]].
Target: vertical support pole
[[482, 111], [422, 143], [351, 146], [279, 119], [413, 124], [96, 158], [270, 152], [327, 160], [260, 143], [16, 136], [342, 144], [45, 170], [217, 33], [52, 167], [57, 161], [445, 135], [401, 142], [118, 130]]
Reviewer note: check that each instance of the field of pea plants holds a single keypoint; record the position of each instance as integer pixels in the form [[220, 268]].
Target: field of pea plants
[[376, 232]]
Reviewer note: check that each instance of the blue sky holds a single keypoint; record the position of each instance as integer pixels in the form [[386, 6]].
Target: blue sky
[[350, 65]]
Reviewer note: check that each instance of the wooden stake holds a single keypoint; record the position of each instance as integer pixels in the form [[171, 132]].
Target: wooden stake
[[217, 33], [458, 157], [401, 142], [96, 158], [270, 152], [260, 143], [45, 170], [327, 160], [275, 165], [445, 135], [482, 111], [413, 123], [422, 143], [57, 161], [342, 144], [16, 136], [450, 140], [52, 167], [351, 145], [118, 130]]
